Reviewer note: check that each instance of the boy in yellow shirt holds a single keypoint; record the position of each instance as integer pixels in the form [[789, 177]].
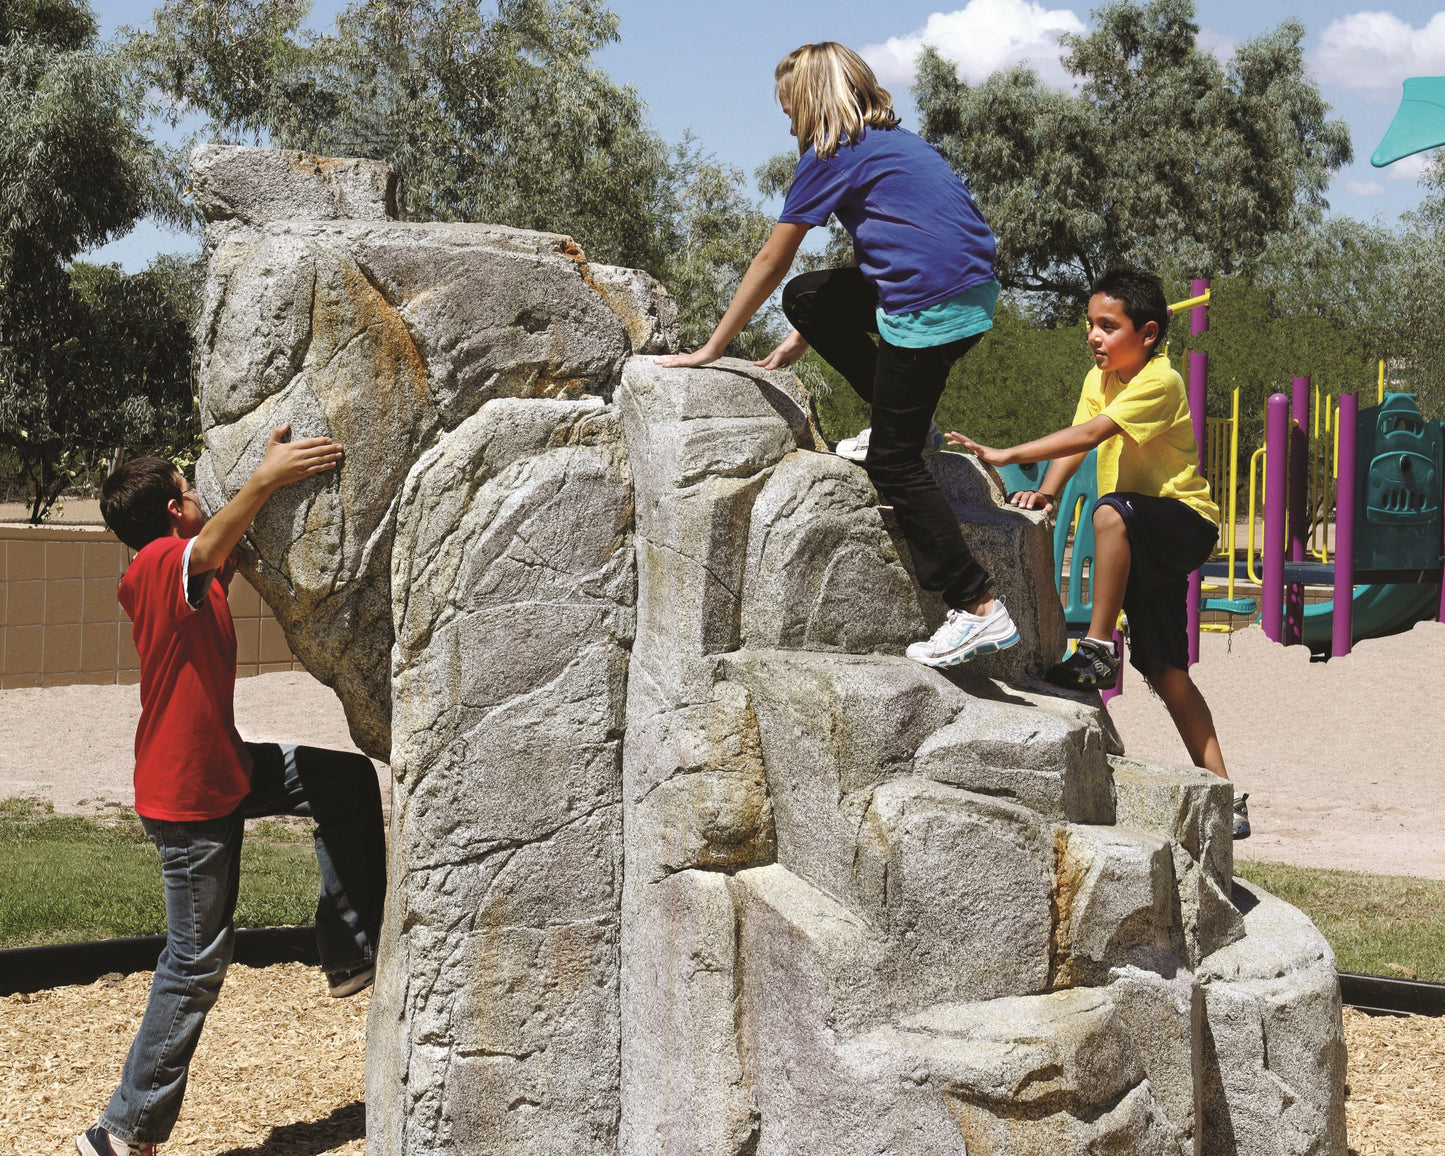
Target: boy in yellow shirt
[[1154, 523]]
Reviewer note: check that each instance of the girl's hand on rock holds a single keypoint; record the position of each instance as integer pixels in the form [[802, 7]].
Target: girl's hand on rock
[[686, 360], [792, 347]]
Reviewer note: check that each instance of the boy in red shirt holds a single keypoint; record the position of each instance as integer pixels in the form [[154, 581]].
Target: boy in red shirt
[[196, 781]]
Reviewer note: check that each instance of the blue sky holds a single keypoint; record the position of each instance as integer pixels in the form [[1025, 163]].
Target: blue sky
[[708, 67]]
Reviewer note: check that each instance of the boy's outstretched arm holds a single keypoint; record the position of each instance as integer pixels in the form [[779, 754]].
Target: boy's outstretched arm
[[284, 463], [1066, 447]]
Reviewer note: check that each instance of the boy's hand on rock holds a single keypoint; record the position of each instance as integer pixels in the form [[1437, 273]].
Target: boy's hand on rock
[[288, 462], [1032, 500]]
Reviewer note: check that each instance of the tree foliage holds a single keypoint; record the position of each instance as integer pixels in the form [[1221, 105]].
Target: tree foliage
[[497, 116], [1162, 158], [75, 172]]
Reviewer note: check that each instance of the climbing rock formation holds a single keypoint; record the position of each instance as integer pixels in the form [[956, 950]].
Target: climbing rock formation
[[686, 857]]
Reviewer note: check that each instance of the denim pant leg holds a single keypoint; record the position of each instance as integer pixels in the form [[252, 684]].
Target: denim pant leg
[[338, 789], [200, 868], [906, 390]]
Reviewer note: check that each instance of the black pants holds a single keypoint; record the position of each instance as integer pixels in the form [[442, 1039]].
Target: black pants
[[835, 310]]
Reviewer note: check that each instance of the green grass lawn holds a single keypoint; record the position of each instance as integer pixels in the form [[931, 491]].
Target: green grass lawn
[[1372, 921], [65, 878], [68, 878]]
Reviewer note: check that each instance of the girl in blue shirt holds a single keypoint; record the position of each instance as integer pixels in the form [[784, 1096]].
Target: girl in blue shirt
[[923, 283]]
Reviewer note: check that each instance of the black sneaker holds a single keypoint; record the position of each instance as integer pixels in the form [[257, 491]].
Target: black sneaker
[[1092, 666], [1241, 816]]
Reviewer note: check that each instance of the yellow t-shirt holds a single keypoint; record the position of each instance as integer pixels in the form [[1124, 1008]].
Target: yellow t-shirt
[[1156, 454]]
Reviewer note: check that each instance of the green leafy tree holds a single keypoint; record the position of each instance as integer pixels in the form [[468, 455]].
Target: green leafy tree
[[75, 172], [497, 116], [713, 230], [1163, 158]]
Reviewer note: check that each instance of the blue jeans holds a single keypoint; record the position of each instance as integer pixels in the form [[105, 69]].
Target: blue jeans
[[200, 868]]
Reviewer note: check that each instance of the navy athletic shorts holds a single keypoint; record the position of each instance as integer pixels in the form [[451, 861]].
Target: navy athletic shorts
[[1168, 541]]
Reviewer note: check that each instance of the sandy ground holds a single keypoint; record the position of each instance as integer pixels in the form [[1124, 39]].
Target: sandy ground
[[280, 1070], [1344, 761], [73, 746]]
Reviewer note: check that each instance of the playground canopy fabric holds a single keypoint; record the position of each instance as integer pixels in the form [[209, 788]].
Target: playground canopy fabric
[[1419, 122]]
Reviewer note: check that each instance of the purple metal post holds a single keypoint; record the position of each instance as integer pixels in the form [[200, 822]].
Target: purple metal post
[[1342, 620], [1276, 474], [1297, 518], [1106, 695], [1441, 616], [1199, 413]]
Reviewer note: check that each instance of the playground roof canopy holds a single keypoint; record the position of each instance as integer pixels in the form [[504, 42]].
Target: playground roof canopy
[[1419, 122]]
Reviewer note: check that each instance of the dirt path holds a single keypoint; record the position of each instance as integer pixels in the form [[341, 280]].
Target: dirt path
[[1344, 761], [73, 746]]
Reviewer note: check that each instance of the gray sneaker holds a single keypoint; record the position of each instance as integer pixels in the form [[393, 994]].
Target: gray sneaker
[[1090, 667], [1241, 816], [350, 981]]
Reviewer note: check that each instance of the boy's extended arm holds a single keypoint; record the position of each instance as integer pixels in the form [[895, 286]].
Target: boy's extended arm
[[1074, 440], [764, 275], [284, 463], [1066, 447]]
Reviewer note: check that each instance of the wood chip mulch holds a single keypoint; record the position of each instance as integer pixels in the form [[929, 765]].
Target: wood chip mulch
[[279, 1070], [1396, 1103]]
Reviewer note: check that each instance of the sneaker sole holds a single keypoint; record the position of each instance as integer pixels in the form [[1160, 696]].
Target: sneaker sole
[[353, 985], [86, 1148], [1074, 684], [971, 653]]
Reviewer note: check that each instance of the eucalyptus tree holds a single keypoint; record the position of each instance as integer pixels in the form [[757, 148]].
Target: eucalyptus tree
[[1161, 157], [76, 170], [489, 115]]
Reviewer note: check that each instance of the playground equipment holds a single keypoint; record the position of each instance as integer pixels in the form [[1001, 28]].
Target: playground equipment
[[1382, 472], [1389, 547]]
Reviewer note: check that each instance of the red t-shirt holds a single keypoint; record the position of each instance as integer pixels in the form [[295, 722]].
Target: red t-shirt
[[190, 763]]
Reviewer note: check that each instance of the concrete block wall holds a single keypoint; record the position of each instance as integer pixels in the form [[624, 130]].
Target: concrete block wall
[[60, 622]]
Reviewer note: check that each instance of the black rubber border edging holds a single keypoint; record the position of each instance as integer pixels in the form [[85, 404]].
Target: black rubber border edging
[[1382, 993], [28, 969]]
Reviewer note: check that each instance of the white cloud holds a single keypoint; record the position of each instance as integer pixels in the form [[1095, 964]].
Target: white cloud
[[982, 37], [1365, 188], [1220, 45], [1373, 52], [1408, 168]]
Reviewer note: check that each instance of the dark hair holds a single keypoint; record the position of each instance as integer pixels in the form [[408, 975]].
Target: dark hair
[[1142, 295], [133, 500]]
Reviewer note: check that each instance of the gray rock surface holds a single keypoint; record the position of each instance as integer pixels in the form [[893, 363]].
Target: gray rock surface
[[686, 857], [254, 186]]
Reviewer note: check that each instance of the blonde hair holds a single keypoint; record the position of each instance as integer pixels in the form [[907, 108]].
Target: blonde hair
[[832, 95]]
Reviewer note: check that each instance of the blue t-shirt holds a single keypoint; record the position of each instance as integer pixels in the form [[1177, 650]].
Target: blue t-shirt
[[920, 238]]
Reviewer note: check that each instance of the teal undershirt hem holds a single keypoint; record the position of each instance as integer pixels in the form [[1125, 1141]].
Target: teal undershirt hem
[[967, 314]]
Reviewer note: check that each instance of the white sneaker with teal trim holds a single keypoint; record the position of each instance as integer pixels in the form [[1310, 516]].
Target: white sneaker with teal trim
[[963, 636]]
